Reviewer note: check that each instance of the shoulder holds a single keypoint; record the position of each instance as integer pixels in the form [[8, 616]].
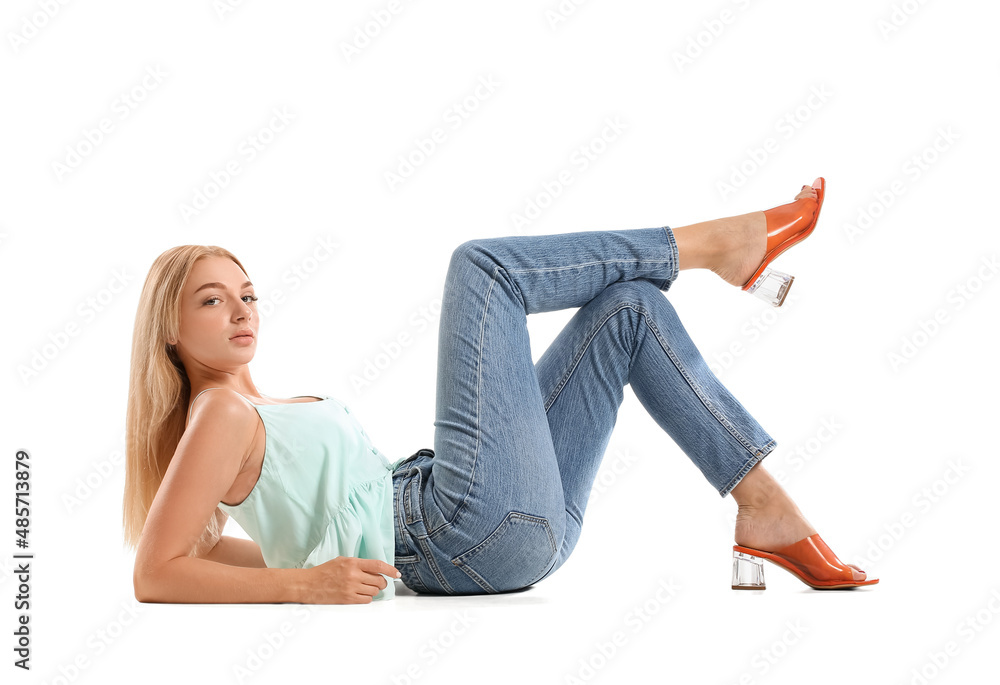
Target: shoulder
[[221, 422], [215, 407]]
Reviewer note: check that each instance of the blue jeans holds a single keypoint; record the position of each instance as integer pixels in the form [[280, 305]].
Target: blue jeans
[[498, 503]]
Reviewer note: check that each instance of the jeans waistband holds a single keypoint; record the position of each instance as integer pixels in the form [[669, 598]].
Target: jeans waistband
[[427, 452]]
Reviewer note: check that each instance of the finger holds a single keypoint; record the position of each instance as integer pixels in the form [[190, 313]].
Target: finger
[[368, 590], [375, 580], [379, 566]]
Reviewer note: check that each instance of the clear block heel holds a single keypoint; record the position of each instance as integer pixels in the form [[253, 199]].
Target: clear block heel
[[772, 286], [748, 572]]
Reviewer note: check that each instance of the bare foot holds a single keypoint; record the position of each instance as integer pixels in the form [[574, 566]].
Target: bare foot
[[774, 525], [768, 519], [743, 240]]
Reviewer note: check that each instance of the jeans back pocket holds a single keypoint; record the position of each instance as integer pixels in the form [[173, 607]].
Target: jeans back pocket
[[516, 554]]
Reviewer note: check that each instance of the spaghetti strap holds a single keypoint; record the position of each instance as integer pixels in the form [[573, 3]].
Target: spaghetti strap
[[324, 490], [191, 404]]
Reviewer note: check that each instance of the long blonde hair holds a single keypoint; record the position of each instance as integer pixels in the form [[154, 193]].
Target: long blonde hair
[[159, 389]]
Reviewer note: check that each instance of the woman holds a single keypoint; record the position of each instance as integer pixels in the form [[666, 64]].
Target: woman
[[498, 504]]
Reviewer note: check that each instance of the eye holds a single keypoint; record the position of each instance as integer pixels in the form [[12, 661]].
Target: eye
[[253, 298]]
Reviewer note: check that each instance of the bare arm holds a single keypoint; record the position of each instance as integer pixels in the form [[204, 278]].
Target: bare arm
[[173, 560], [236, 552], [228, 550], [190, 580], [176, 562]]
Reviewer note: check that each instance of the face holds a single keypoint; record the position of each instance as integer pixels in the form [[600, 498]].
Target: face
[[218, 327]]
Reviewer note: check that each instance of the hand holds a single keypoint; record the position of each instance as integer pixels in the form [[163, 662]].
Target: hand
[[346, 580]]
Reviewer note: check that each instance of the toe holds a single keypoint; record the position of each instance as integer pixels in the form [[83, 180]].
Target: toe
[[859, 575], [807, 192]]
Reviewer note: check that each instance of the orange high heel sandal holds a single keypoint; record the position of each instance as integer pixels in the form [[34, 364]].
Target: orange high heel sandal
[[786, 225], [810, 560]]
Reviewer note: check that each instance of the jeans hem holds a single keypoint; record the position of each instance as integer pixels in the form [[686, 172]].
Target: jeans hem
[[750, 463], [665, 284]]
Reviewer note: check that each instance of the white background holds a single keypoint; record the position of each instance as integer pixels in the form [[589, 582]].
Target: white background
[[904, 133]]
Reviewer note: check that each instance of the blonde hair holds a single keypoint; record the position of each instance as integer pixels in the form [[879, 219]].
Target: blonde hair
[[159, 389]]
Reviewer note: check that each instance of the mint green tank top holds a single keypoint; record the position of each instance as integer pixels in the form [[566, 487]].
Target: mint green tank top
[[324, 490]]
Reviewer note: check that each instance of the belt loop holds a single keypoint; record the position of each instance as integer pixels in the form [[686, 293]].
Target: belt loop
[[411, 498], [425, 452]]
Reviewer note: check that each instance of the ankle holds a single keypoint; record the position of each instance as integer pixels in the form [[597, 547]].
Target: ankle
[[771, 526], [756, 489], [701, 245]]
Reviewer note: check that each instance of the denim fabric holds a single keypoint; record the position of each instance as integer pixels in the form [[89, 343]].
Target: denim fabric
[[498, 503]]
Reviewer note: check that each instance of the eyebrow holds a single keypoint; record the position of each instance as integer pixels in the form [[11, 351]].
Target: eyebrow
[[220, 286]]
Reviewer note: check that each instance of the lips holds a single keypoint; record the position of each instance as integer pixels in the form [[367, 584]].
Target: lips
[[243, 334]]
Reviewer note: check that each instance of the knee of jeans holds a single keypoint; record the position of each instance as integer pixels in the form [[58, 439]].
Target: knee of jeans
[[641, 299], [515, 554], [473, 250], [638, 292], [469, 260]]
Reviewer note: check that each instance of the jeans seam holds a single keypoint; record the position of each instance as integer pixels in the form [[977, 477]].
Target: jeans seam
[[461, 563], [606, 261], [697, 390], [476, 578], [432, 564], [642, 311], [579, 355], [479, 392], [674, 259], [750, 463]]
